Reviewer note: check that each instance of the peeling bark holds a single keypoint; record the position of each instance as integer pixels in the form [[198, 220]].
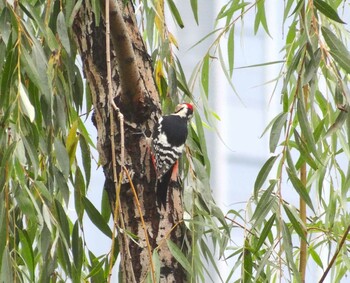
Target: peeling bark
[[140, 105]]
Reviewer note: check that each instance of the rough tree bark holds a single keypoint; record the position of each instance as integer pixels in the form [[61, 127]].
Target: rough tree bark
[[136, 95]]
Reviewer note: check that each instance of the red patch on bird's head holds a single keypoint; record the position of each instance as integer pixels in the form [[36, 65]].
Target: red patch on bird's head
[[189, 106]]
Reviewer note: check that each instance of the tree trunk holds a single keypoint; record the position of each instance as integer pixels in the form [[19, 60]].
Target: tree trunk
[[135, 94]]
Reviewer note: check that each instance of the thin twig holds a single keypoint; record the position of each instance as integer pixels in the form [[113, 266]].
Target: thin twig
[[342, 241], [143, 225]]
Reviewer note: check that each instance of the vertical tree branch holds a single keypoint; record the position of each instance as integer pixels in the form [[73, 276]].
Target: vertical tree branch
[[130, 84]]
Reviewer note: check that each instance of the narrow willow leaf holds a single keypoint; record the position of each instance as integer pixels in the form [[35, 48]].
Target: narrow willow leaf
[[298, 7], [205, 75], [305, 126], [6, 269], [156, 263], [175, 12], [264, 205], [26, 105], [86, 158], [43, 191], [62, 184], [338, 123], [27, 252], [96, 217], [79, 193], [194, 6], [78, 251], [207, 252], [288, 247], [287, 8], [231, 49], [76, 8], [262, 175], [337, 48], [62, 157], [276, 130], [247, 263], [179, 256], [265, 232], [72, 142], [296, 222], [47, 217], [327, 10], [105, 207], [201, 142], [25, 204], [96, 269], [292, 67], [315, 256], [312, 66], [7, 73], [331, 207], [304, 152], [63, 222], [260, 17], [32, 153], [300, 188], [62, 32]]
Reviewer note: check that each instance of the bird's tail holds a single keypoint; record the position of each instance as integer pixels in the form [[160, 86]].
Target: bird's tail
[[162, 188]]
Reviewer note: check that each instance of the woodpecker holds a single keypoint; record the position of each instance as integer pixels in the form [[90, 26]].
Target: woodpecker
[[169, 137]]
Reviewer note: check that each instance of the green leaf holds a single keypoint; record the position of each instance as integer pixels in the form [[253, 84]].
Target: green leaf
[[300, 188], [337, 48], [62, 157], [6, 269], [194, 6], [62, 32], [78, 251], [179, 256], [327, 10], [260, 17], [265, 232], [264, 205], [305, 126], [338, 123], [315, 256], [105, 206], [79, 193], [231, 49], [304, 151], [205, 75], [295, 221], [288, 247], [63, 222], [175, 13], [96, 217], [276, 130], [72, 142], [262, 175], [96, 8], [86, 158], [247, 263], [27, 252], [26, 105]]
